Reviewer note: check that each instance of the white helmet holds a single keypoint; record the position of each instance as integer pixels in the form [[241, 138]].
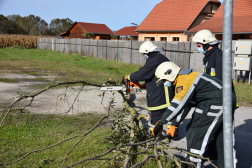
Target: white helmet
[[148, 47], [205, 37], [166, 70]]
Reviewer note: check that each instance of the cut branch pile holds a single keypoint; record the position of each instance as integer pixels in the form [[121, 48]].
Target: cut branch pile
[[136, 141]]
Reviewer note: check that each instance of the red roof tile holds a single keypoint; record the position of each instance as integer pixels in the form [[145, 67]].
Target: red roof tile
[[95, 28], [172, 15], [127, 31], [242, 19]]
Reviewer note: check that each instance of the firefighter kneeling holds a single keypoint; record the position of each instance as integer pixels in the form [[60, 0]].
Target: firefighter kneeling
[[202, 91]]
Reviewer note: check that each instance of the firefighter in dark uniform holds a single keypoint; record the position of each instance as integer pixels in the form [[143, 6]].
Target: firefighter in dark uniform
[[212, 65], [158, 98], [205, 92]]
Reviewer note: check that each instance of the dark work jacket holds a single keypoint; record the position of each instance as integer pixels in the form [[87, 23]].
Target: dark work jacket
[[155, 95], [213, 62]]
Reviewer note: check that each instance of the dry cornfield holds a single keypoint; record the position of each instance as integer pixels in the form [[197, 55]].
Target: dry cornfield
[[25, 41]]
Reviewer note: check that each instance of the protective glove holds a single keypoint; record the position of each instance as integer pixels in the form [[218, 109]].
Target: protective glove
[[127, 77], [158, 129], [143, 86], [170, 132]]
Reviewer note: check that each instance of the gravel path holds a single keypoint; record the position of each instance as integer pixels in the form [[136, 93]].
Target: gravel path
[[55, 102]]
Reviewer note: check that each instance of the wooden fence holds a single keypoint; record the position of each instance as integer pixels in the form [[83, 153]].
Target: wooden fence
[[184, 54]]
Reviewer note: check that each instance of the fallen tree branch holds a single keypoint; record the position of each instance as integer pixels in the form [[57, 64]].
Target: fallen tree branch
[[89, 131], [109, 160], [92, 158], [131, 147], [39, 92], [143, 161]]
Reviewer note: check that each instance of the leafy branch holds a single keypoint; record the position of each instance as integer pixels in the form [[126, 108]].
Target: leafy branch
[[129, 139]]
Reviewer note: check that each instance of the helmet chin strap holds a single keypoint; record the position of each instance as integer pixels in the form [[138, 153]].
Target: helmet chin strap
[[206, 46]]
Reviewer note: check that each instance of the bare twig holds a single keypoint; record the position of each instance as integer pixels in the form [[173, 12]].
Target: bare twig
[[109, 160], [156, 154], [92, 158], [40, 150], [39, 92], [173, 157], [143, 161], [89, 131], [188, 163], [75, 99]]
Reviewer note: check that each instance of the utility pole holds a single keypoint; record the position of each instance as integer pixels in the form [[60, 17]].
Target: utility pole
[[227, 83]]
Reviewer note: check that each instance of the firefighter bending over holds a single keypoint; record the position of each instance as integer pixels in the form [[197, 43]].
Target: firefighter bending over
[[202, 91]]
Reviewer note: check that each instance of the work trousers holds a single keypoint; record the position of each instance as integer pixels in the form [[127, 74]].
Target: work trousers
[[155, 116], [200, 131]]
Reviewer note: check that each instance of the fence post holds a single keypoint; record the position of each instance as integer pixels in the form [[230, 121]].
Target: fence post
[[131, 52], [165, 47], [64, 46], [89, 48], [190, 55], [106, 48], [81, 47], [97, 48], [75, 45]]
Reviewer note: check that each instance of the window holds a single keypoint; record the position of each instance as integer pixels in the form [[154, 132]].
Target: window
[[149, 38], [163, 38], [175, 38]]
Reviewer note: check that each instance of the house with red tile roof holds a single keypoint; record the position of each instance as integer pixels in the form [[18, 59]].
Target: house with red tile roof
[[242, 21], [171, 18], [128, 32], [100, 31]]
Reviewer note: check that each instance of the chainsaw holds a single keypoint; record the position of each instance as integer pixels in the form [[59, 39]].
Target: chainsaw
[[128, 87]]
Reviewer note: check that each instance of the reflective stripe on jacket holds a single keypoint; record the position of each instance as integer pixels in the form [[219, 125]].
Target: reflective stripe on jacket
[[194, 87], [164, 105]]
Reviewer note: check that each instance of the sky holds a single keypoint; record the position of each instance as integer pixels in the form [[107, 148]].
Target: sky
[[116, 14]]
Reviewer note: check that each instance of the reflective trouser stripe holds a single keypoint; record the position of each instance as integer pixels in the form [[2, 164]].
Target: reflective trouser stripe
[[201, 150], [210, 129], [164, 105]]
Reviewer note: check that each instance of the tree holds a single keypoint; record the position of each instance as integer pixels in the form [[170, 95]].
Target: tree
[[58, 26], [32, 25], [4, 24], [14, 28], [88, 35]]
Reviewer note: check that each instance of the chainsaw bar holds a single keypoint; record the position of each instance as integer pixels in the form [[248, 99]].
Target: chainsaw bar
[[111, 88]]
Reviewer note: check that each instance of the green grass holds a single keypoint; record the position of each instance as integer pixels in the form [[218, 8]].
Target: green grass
[[8, 80], [243, 93], [23, 133], [70, 67]]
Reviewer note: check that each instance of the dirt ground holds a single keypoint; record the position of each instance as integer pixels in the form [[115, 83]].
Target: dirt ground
[[59, 101]]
